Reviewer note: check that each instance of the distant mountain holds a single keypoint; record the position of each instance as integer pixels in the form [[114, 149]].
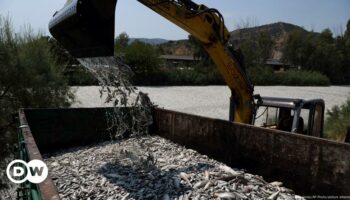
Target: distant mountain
[[153, 41], [278, 31]]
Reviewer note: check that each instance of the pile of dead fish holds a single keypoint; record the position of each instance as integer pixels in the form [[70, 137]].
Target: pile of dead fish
[[151, 167]]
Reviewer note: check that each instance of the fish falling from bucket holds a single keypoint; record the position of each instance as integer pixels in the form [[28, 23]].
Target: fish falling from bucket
[[86, 30]]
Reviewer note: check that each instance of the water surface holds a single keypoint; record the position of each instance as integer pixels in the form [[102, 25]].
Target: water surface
[[213, 101]]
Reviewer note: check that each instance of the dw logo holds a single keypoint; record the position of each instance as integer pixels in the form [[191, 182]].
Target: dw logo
[[18, 171]]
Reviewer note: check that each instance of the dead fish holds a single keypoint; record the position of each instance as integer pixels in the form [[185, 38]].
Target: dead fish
[[260, 179], [206, 175], [91, 168], [221, 183], [228, 178], [125, 196], [225, 195], [297, 197], [103, 181], [200, 184], [229, 170], [240, 195], [276, 183], [273, 196], [207, 185], [169, 167], [266, 191], [184, 176], [55, 164], [112, 176]]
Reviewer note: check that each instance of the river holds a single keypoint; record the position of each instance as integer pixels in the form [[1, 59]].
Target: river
[[213, 101]]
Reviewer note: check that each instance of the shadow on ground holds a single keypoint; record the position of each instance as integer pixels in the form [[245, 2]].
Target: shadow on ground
[[150, 182]]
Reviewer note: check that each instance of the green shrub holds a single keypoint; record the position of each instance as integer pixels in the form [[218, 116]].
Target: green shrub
[[338, 121], [260, 75], [184, 76], [29, 77], [303, 78], [263, 75], [143, 60], [80, 78]]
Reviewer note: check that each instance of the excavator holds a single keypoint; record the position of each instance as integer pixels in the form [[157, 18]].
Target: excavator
[[86, 29]]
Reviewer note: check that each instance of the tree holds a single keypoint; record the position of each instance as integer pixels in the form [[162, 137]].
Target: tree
[[198, 49], [264, 46], [29, 77], [326, 36], [143, 59], [320, 52], [122, 40], [251, 55], [347, 34], [30, 74], [298, 48], [338, 121], [257, 50], [62, 56]]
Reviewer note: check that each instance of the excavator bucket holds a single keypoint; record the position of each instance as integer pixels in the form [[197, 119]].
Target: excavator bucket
[[85, 27]]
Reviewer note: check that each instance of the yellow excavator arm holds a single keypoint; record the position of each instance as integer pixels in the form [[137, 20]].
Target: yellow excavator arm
[[207, 26], [78, 34]]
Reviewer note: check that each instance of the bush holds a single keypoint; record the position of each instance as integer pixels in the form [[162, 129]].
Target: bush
[[80, 78], [338, 121], [262, 75], [143, 60], [303, 78], [182, 77], [210, 75], [29, 77]]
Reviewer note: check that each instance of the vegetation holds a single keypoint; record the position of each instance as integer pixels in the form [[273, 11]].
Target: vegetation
[[338, 121], [266, 76], [317, 59], [146, 64], [80, 77], [75, 74], [256, 50], [144, 60], [321, 52], [30, 77], [188, 76]]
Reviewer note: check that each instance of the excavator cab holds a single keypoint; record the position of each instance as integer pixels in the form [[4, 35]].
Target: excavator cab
[[291, 115], [85, 28]]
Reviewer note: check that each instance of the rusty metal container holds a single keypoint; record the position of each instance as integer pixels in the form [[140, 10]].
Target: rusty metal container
[[306, 164]]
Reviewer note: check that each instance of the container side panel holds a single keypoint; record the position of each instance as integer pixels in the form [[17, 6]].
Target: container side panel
[[308, 165]]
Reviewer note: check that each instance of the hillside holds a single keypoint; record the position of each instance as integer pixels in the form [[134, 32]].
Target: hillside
[[278, 31], [178, 48], [153, 41]]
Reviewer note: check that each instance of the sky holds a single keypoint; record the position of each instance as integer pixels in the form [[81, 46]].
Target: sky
[[139, 21]]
